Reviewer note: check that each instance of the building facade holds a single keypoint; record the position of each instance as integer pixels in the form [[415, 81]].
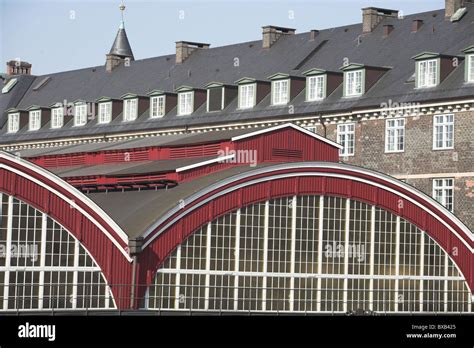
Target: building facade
[[297, 173]]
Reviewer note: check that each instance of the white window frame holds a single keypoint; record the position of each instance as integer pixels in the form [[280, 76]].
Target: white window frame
[[470, 68], [247, 95], [157, 111], [425, 69], [208, 99], [13, 122], [185, 103], [394, 131], [280, 94], [105, 113], [346, 138], [34, 120], [354, 83], [443, 128], [443, 188], [315, 88], [130, 109], [57, 117], [80, 115]]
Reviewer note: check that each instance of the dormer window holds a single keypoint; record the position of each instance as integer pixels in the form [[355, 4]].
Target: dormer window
[[316, 87], [157, 106], [427, 73], [185, 103], [469, 72], [57, 117], [13, 122], [130, 109], [35, 120], [80, 114], [247, 95], [280, 92], [105, 112], [353, 83]]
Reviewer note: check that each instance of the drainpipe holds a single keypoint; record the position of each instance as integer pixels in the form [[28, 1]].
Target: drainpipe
[[321, 122], [134, 247]]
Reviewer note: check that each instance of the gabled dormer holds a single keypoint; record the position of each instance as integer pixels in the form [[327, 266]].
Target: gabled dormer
[[469, 65], [285, 87], [107, 109], [161, 103], [359, 78], [82, 111], [17, 119], [321, 83], [190, 99], [133, 106], [432, 68], [219, 95], [59, 115], [251, 92], [38, 116]]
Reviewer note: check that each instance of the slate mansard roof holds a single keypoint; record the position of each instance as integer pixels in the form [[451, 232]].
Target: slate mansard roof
[[291, 54]]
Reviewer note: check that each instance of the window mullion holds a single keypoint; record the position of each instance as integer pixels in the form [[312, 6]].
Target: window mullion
[[44, 219], [320, 252], [372, 258], [237, 259], [293, 252], [8, 252], [346, 252], [265, 255]]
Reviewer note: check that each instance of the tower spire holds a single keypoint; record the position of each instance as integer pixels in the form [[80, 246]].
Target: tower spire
[[121, 49]]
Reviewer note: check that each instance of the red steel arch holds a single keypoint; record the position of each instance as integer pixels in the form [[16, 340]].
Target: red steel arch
[[316, 178], [99, 235]]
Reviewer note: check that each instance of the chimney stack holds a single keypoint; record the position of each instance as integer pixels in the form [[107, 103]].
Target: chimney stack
[[312, 34], [387, 29], [451, 6], [270, 34], [17, 67], [372, 16], [185, 48], [416, 25]]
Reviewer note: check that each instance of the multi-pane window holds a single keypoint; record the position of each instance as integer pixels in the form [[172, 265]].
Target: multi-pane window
[[35, 120], [443, 129], [315, 86], [185, 103], [105, 112], [280, 92], [57, 117], [13, 123], [470, 68], [427, 73], [80, 115], [247, 96], [346, 138], [157, 106], [130, 109], [443, 192], [395, 135], [353, 83]]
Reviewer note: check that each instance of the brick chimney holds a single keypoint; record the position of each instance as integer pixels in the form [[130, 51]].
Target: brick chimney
[[372, 16], [17, 67], [387, 29], [416, 25], [185, 48], [451, 6], [271, 33]]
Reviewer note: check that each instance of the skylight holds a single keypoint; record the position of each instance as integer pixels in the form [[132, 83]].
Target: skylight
[[10, 84], [42, 83]]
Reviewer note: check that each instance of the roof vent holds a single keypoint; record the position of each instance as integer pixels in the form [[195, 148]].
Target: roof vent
[[416, 25], [185, 48], [458, 14], [9, 85], [271, 33], [42, 83], [372, 16], [387, 29]]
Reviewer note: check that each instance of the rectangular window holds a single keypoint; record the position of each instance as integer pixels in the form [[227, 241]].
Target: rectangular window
[[280, 92], [395, 135], [105, 112], [353, 83], [427, 73], [57, 117], [346, 138], [315, 85], [130, 109], [13, 123], [470, 68], [35, 120], [185, 103], [443, 129], [80, 115], [157, 106], [443, 192], [247, 95]]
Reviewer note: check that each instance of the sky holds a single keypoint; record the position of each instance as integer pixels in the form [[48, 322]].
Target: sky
[[59, 35]]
